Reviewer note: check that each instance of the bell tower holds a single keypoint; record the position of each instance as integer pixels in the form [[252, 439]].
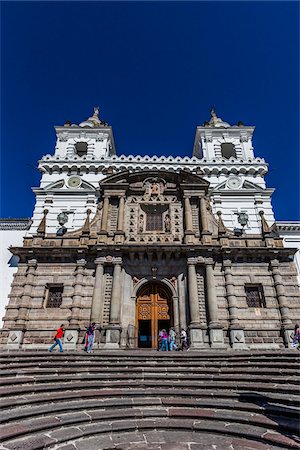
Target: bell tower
[[216, 139], [91, 139], [237, 187]]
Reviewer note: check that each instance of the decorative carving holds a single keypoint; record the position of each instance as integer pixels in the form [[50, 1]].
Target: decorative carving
[[141, 223], [174, 281], [265, 229], [167, 223], [41, 230], [135, 280], [154, 186]]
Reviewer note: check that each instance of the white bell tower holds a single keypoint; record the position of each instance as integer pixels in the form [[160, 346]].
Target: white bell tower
[[237, 186], [90, 139]]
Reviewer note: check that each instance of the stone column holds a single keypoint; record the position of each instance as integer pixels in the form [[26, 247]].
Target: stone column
[[15, 337], [287, 325], [237, 335], [120, 226], [203, 214], [105, 213], [72, 333], [215, 328], [196, 335], [113, 330], [205, 233], [119, 235], [188, 220], [97, 301], [182, 302], [188, 214]]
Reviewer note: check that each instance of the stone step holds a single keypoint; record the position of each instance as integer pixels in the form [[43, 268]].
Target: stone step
[[260, 432], [283, 399], [72, 399], [69, 367], [61, 385], [238, 404], [144, 375]]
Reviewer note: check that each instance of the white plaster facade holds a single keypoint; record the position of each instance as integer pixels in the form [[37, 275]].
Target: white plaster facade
[[290, 232], [236, 183]]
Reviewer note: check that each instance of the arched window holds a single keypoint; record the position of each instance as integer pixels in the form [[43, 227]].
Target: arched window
[[81, 148], [228, 150]]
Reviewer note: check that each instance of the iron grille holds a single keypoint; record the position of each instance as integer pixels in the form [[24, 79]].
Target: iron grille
[[54, 299]]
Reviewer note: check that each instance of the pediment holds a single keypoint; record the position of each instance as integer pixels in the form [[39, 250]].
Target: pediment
[[56, 185], [245, 186], [62, 185], [137, 178]]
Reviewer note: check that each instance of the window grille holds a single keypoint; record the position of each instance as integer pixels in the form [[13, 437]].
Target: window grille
[[154, 221], [255, 296], [54, 296]]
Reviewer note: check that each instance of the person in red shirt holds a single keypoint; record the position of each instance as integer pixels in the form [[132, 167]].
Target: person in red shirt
[[58, 339]]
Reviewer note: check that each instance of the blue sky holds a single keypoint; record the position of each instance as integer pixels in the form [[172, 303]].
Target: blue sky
[[155, 69]]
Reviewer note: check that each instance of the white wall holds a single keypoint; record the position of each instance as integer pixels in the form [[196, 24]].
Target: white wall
[[8, 264]]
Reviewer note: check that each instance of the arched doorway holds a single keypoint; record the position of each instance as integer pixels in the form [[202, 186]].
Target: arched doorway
[[153, 313]]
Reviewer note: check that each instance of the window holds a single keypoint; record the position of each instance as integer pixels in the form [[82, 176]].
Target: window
[[228, 150], [154, 221], [152, 218], [255, 296], [54, 295], [81, 148]]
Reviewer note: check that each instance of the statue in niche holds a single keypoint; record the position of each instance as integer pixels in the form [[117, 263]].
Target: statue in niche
[[167, 223], [141, 223]]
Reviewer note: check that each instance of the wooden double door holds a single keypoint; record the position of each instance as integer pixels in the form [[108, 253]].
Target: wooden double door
[[153, 313]]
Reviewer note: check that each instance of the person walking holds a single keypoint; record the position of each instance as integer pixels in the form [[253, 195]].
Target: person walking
[[91, 336], [164, 341], [183, 340], [58, 339], [172, 339]]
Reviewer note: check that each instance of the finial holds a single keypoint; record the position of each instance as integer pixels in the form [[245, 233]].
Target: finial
[[265, 229], [41, 230], [221, 227], [96, 111], [213, 111], [86, 227]]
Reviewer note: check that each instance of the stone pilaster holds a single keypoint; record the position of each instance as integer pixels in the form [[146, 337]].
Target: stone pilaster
[[196, 334], [105, 214], [182, 302], [215, 328], [120, 226], [205, 233], [120, 223], [15, 337], [287, 325], [97, 301], [188, 220], [72, 333], [203, 214], [113, 330], [237, 335]]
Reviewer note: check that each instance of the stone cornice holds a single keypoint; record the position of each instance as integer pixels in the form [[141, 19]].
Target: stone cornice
[[15, 224], [293, 226], [119, 163]]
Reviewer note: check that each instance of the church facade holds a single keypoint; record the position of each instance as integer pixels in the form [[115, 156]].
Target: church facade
[[138, 243]]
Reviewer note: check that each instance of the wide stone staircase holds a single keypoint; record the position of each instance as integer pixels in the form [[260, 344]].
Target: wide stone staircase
[[147, 400]]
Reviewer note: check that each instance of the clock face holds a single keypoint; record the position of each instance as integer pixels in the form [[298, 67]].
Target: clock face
[[234, 182], [74, 182]]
